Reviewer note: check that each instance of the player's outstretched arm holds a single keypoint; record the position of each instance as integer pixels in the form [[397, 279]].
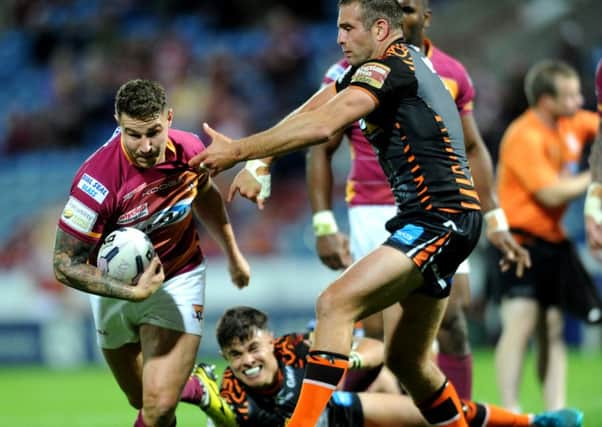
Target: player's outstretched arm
[[496, 224], [331, 245], [296, 131], [209, 208], [72, 269]]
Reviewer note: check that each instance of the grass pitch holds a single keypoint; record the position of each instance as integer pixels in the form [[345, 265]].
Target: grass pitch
[[89, 397]]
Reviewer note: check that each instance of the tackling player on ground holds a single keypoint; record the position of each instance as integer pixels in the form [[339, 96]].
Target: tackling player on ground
[[261, 385]]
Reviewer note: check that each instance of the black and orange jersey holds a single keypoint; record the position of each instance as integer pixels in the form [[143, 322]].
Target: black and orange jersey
[[272, 407], [416, 131]]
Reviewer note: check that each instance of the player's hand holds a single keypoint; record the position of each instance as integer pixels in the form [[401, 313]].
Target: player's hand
[[593, 219], [240, 272], [252, 182], [333, 250], [220, 155], [593, 232], [512, 252], [151, 279]]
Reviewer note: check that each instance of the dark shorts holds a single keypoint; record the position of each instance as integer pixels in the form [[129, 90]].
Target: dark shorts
[[557, 278], [437, 243], [345, 410]]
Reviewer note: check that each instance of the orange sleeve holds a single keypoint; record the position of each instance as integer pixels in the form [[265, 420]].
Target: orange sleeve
[[586, 125], [524, 155]]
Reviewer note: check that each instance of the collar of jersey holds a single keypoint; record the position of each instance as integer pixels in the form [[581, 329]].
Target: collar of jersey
[[428, 48]]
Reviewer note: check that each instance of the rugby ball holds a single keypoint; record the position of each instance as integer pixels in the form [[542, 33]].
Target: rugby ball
[[124, 254]]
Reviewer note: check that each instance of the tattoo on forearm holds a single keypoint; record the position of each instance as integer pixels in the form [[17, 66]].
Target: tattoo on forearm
[[72, 269]]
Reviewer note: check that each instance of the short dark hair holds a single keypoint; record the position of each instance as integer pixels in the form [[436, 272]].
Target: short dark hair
[[372, 10], [140, 99], [541, 79], [240, 323]]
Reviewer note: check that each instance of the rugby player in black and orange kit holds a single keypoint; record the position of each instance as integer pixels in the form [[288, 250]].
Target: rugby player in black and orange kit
[[409, 117], [261, 384]]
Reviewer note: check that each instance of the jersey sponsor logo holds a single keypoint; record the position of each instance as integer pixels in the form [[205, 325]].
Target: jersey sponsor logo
[[78, 216], [165, 217], [93, 188], [371, 73], [134, 214], [134, 191], [408, 234], [198, 312], [163, 186]]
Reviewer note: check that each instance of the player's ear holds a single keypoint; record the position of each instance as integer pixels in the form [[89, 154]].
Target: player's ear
[[169, 116], [428, 16], [116, 118], [382, 29]]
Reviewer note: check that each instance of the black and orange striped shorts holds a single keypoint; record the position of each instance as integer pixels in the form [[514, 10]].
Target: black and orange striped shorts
[[437, 243]]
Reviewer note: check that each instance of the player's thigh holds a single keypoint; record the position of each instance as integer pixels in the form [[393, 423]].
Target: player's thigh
[[169, 357], [125, 363], [519, 316], [384, 410], [380, 279]]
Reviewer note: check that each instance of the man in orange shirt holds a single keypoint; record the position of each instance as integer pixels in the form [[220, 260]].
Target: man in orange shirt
[[537, 178]]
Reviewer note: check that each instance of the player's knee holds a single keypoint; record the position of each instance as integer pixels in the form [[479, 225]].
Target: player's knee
[[453, 333], [331, 304], [554, 326]]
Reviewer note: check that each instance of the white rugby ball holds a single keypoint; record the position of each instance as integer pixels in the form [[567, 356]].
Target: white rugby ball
[[124, 254]]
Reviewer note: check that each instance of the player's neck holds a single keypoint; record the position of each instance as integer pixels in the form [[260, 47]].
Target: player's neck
[[385, 43], [548, 119]]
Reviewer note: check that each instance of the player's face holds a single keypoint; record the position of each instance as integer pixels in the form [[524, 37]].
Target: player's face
[[145, 141], [253, 361], [415, 19], [568, 97], [357, 42]]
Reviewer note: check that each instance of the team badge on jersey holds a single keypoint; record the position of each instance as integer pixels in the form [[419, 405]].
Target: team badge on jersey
[[93, 188], [78, 216], [371, 73]]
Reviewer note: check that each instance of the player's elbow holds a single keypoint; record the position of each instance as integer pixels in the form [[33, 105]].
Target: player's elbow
[[59, 272], [322, 132]]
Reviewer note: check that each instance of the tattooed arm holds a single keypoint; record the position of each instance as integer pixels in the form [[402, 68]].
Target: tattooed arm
[[72, 269]]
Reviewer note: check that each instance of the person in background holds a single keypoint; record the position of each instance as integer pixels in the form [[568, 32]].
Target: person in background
[[537, 177]]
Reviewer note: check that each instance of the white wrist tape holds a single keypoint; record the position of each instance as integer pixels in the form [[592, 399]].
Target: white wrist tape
[[324, 223], [496, 220], [264, 180], [593, 202]]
